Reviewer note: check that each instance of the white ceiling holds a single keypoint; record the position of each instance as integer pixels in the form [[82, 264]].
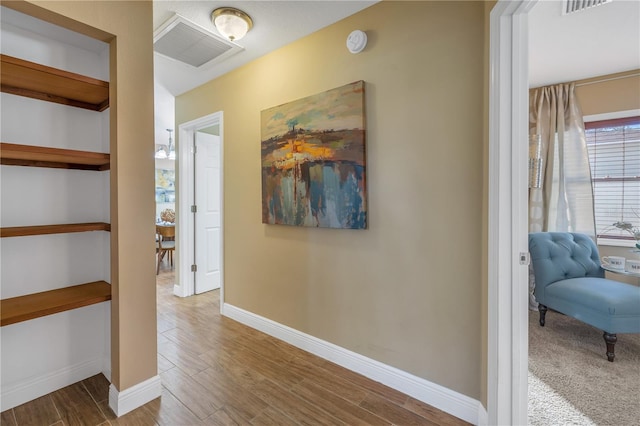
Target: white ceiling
[[275, 24], [598, 41]]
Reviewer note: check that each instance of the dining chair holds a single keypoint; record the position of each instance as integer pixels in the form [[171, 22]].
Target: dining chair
[[166, 244]]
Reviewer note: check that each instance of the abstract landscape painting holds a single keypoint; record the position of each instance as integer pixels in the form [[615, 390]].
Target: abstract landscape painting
[[313, 161]]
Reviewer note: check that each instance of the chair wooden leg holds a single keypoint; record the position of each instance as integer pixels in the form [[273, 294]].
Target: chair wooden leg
[[611, 340], [543, 312], [160, 255]]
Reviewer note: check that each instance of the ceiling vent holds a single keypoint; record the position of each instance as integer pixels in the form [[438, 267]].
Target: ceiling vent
[[571, 6], [188, 42]]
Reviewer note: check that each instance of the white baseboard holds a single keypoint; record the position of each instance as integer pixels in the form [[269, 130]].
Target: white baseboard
[[35, 387], [447, 400], [483, 415], [130, 399], [106, 368], [181, 291]]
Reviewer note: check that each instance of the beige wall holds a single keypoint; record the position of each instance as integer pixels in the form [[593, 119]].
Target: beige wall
[[408, 290], [128, 26], [609, 93]]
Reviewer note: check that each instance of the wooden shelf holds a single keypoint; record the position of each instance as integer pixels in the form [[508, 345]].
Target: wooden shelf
[[24, 78], [38, 156], [36, 305], [24, 231]]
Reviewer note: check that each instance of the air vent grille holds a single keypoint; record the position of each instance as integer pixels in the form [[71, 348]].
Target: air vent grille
[[191, 44], [572, 6]]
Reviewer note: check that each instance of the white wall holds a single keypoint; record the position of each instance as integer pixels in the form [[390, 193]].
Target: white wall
[[44, 354]]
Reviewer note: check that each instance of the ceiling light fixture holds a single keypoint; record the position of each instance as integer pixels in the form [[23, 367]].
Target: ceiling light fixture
[[172, 150], [166, 153], [231, 22], [161, 154]]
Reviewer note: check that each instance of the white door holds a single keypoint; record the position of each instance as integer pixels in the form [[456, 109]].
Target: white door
[[207, 216]]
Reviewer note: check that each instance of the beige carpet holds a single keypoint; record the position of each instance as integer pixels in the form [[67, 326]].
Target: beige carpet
[[570, 380]]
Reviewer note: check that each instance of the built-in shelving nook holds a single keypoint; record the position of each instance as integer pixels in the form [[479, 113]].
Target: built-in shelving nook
[[24, 78], [55, 219]]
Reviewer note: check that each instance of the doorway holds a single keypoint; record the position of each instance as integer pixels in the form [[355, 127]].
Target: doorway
[[200, 218]]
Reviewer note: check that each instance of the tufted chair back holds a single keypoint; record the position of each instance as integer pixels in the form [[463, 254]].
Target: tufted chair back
[[562, 255]]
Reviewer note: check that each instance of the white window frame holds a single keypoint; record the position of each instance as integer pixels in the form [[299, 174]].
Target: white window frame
[[613, 116]]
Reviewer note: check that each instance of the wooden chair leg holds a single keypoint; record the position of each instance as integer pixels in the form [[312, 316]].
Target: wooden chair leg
[[160, 255], [610, 340], [543, 312]]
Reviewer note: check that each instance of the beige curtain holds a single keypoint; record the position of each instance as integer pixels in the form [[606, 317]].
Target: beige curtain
[[561, 197]]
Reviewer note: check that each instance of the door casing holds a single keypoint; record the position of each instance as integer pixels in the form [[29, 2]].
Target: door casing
[[185, 253], [507, 313]]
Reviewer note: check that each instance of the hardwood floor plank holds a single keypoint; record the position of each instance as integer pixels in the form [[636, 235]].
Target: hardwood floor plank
[[223, 362], [7, 418], [272, 417], [138, 417], [396, 414], [296, 408], [169, 411], [264, 347], [165, 322], [162, 339], [40, 411], [318, 375], [278, 373], [296, 352], [196, 345], [339, 408], [98, 387], [185, 360], [433, 414], [189, 392], [229, 393], [239, 357], [164, 364], [370, 385], [224, 417], [76, 407]]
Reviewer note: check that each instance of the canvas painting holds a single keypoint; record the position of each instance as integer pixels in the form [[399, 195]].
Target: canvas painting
[[165, 186], [313, 161]]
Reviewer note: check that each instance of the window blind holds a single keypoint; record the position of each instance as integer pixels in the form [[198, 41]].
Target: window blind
[[614, 156]]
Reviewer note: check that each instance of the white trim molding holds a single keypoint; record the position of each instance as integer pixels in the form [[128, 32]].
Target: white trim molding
[[507, 278], [447, 400], [28, 390], [185, 221], [136, 396]]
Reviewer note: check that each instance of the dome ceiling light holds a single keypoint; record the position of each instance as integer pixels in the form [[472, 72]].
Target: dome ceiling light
[[231, 22]]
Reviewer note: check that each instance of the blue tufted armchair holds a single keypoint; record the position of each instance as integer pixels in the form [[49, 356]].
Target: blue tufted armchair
[[570, 280]]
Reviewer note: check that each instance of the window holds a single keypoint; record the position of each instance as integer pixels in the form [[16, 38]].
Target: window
[[614, 154]]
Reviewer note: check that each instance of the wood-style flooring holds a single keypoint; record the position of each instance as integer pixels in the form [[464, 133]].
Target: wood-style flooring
[[216, 371]]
